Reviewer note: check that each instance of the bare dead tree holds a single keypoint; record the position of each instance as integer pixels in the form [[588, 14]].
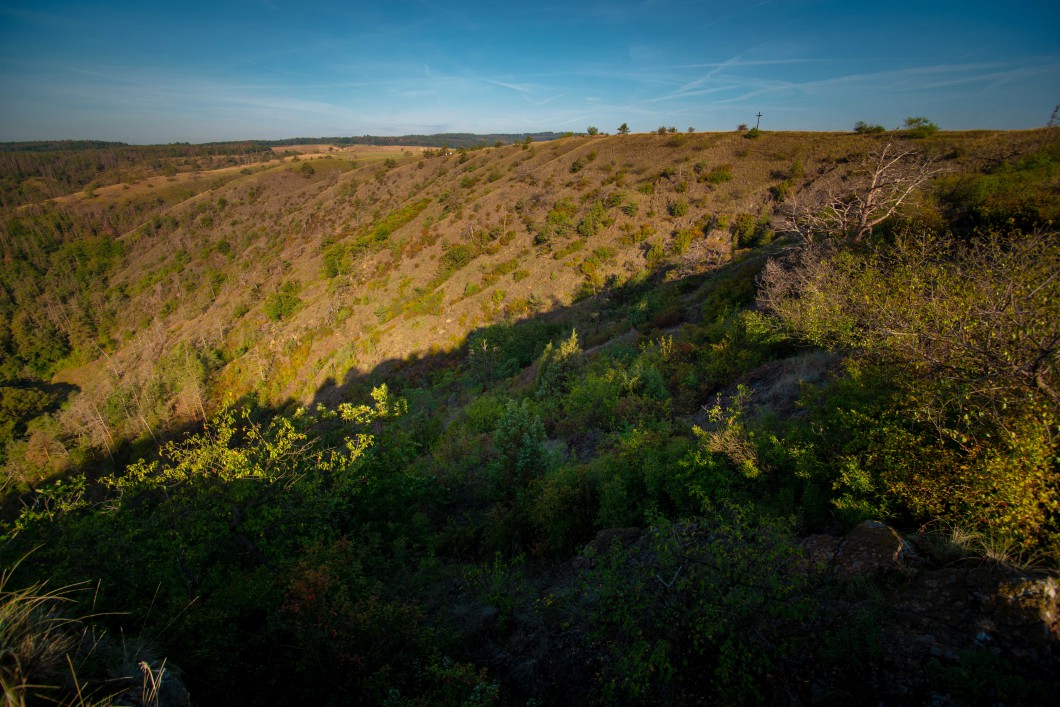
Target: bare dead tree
[[871, 194]]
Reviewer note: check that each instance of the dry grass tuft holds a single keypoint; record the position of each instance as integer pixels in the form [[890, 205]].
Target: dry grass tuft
[[36, 639]]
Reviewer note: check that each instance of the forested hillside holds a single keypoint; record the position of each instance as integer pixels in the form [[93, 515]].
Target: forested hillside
[[597, 420]]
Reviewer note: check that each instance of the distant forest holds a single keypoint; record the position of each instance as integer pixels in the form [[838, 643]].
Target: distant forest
[[44, 169], [441, 139], [226, 147]]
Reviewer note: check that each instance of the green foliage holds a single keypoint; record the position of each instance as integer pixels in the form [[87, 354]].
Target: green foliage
[[730, 437], [224, 515], [338, 258], [19, 405], [863, 128], [718, 175], [503, 349], [558, 365], [355, 640], [519, 441], [678, 208], [981, 674], [655, 255], [919, 127], [703, 608], [594, 221], [282, 304], [501, 584], [561, 215], [1017, 194], [456, 258], [37, 347], [750, 232], [936, 318]]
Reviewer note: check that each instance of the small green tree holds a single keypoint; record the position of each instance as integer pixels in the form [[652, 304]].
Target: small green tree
[[623, 129], [519, 439], [863, 128], [919, 127], [593, 130], [282, 304], [557, 365]]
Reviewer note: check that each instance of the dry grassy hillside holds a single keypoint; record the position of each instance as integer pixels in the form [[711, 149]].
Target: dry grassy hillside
[[286, 277], [604, 420]]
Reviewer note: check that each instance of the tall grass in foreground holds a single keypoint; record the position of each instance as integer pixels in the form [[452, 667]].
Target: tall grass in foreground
[[37, 641]]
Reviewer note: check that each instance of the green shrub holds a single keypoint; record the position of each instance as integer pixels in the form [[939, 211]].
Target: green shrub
[[750, 232], [863, 128], [557, 366], [703, 608], [919, 127], [946, 446], [519, 440], [282, 304], [595, 220], [718, 175], [457, 257]]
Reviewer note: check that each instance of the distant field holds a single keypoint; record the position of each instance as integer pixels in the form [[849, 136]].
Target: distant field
[[363, 151], [366, 153]]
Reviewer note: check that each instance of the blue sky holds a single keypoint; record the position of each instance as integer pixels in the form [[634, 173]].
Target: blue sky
[[158, 71]]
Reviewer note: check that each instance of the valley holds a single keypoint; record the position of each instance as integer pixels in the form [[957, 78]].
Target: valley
[[608, 419]]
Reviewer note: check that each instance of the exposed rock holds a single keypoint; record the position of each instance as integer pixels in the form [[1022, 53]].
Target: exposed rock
[[994, 627], [975, 632], [818, 553], [872, 549]]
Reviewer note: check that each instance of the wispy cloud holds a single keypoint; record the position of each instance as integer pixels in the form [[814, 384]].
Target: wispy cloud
[[911, 79]]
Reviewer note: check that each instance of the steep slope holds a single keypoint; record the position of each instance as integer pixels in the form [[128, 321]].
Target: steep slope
[[295, 275], [597, 338], [283, 280]]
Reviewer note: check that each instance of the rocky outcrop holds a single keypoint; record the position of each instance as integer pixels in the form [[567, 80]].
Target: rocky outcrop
[[971, 632], [871, 549]]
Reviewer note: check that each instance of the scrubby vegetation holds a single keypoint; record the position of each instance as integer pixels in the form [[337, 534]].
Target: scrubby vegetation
[[398, 434]]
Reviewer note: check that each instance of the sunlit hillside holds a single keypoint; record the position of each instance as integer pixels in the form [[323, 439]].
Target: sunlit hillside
[[582, 420]]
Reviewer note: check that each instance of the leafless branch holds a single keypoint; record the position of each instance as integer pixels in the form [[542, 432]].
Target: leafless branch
[[881, 183]]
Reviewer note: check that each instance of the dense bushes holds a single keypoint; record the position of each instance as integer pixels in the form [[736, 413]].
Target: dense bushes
[[413, 553], [965, 334], [706, 607]]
